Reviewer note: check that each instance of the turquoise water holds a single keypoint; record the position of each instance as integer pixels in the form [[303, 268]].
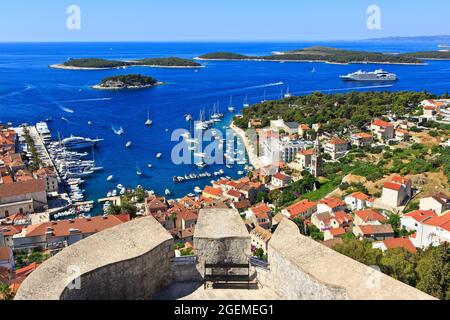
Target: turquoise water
[[31, 92]]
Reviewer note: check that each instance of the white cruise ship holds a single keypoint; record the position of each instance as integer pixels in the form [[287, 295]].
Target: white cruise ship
[[377, 75], [77, 143]]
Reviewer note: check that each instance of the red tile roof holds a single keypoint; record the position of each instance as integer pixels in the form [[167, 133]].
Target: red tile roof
[[300, 207], [84, 225], [392, 186], [337, 232], [308, 152], [370, 215], [23, 187], [381, 123], [404, 243], [359, 195], [280, 176], [234, 193], [442, 222], [25, 271], [376, 229], [212, 191], [363, 135], [420, 215], [332, 202], [399, 179], [337, 141]]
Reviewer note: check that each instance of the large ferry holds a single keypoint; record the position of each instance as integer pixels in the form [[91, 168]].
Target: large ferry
[[377, 75], [76, 143]]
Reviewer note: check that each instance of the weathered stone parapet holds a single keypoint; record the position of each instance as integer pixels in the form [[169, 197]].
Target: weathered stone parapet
[[303, 269], [130, 261], [221, 237]]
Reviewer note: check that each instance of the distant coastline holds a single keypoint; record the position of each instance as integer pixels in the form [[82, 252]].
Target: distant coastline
[[322, 61], [321, 55]]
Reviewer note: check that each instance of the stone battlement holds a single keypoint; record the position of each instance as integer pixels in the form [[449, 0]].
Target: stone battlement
[[134, 261]]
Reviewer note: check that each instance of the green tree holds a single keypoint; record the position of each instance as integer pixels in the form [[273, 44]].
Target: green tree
[[361, 251], [433, 269], [113, 210], [399, 264]]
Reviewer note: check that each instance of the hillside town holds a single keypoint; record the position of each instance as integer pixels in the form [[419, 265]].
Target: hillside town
[[360, 185]]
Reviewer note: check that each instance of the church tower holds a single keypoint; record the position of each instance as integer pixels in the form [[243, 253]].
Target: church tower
[[316, 159]]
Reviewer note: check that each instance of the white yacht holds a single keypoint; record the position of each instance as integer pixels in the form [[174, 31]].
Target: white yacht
[[377, 75], [149, 122], [128, 145], [167, 192], [110, 178], [159, 155], [287, 94], [77, 143], [246, 104], [231, 107]]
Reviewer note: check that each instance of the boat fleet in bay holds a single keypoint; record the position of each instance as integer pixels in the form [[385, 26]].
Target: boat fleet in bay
[[69, 157]]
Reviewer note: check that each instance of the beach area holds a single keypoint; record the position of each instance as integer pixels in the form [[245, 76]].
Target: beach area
[[249, 147]]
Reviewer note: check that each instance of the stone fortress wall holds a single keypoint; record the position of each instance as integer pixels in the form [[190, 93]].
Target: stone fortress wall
[[135, 261]]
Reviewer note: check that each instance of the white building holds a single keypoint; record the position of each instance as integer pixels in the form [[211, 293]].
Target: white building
[[337, 148], [430, 228], [438, 203], [396, 192], [358, 201], [382, 129]]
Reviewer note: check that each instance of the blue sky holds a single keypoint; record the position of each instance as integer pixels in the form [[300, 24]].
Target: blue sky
[[219, 20]]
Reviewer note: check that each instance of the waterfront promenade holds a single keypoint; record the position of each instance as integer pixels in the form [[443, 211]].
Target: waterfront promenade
[[250, 148]]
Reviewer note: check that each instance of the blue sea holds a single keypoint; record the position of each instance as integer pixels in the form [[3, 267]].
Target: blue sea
[[30, 91]]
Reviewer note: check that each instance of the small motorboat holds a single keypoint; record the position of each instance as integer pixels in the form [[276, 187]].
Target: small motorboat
[[110, 178], [128, 145], [159, 155], [167, 192]]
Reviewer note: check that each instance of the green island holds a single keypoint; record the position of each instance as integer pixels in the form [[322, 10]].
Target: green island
[[102, 64], [129, 81], [320, 54], [430, 55]]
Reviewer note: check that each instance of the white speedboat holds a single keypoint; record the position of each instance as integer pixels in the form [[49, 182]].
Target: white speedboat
[[128, 145], [110, 178], [139, 172], [150, 165], [159, 155], [167, 192], [197, 190]]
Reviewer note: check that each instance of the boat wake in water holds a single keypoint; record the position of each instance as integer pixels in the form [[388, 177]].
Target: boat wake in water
[[274, 84], [15, 93], [66, 109], [88, 100], [345, 89]]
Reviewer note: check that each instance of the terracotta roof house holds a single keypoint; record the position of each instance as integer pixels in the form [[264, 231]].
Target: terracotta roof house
[[331, 204], [302, 209], [374, 232], [369, 217], [58, 234], [439, 203], [358, 201], [395, 243], [362, 139]]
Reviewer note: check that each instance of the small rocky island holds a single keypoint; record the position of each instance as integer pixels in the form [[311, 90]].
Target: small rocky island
[[320, 54], [127, 82], [103, 64]]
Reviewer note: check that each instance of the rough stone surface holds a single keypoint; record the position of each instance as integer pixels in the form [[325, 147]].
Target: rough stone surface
[[221, 237], [303, 269], [130, 261]]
